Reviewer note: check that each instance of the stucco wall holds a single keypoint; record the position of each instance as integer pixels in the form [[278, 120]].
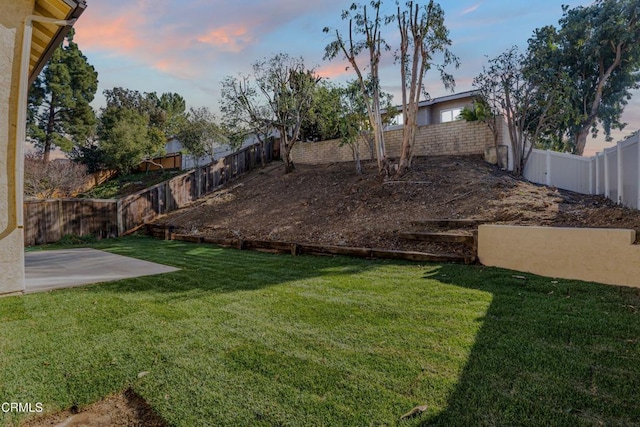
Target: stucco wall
[[11, 238], [454, 138], [597, 255], [436, 109]]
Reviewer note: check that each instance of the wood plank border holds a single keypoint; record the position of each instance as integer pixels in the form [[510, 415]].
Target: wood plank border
[[294, 249]]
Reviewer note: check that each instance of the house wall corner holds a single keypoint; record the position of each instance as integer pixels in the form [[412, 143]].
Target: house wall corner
[[12, 20]]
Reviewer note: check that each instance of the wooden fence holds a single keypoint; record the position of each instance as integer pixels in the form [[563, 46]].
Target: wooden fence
[[170, 161], [47, 221]]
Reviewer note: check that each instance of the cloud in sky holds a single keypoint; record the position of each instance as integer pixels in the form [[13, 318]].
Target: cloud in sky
[[116, 35], [336, 69], [188, 46], [232, 39], [185, 32], [470, 9]]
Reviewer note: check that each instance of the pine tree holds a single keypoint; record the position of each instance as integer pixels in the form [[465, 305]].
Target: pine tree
[[59, 111]]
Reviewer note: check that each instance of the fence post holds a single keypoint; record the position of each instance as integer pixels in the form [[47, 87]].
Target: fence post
[[548, 167], [606, 175], [61, 220], [166, 199], [119, 218], [638, 168], [620, 186], [591, 175], [597, 173]]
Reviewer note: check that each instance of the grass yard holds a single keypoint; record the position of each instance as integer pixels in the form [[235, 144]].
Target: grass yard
[[244, 338]]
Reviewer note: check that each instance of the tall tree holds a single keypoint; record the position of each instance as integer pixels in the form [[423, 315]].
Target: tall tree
[[156, 110], [131, 128], [524, 95], [244, 111], [174, 106], [277, 98], [200, 134], [598, 46], [354, 125], [543, 57], [367, 25], [59, 111], [288, 87], [125, 141], [322, 122], [423, 35]]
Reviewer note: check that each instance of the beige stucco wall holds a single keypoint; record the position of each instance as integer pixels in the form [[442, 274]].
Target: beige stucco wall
[[12, 19], [436, 109], [597, 255]]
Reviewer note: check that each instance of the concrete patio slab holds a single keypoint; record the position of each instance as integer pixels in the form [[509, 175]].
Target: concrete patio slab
[[47, 270]]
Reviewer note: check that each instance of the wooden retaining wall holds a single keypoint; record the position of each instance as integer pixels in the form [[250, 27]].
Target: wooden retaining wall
[[314, 249], [47, 221]]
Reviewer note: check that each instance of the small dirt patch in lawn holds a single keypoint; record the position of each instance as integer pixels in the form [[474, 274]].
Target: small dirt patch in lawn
[[126, 409]]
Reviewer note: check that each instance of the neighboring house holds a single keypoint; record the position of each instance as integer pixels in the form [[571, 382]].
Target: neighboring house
[[442, 109], [174, 148], [30, 30], [177, 157]]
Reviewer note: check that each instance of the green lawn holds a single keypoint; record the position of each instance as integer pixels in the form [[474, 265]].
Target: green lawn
[[244, 338]]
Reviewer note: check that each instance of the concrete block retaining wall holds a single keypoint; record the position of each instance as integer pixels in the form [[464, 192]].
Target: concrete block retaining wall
[[454, 138]]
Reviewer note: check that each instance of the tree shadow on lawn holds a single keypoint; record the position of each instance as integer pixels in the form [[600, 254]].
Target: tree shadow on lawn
[[549, 352]]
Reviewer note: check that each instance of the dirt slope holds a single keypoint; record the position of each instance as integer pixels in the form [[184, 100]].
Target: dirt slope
[[330, 204]]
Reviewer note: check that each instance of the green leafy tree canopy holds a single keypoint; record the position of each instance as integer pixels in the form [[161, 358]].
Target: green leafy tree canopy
[[200, 134], [596, 49], [134, 126]]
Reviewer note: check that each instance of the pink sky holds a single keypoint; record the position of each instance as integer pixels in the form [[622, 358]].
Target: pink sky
[[188, 46]]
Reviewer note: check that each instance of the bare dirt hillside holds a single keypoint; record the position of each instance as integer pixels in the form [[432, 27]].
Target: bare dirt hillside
[[330, 204]]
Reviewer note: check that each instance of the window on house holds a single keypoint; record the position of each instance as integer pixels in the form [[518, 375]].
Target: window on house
[[450, 115]]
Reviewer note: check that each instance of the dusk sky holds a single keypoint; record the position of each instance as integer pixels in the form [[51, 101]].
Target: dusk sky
[[188, 46]]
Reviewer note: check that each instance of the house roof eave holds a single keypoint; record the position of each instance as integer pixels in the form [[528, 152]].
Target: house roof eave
[[76, 8], [452, 97]]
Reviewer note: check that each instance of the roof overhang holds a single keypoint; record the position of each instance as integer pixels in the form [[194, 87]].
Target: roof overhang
[[47, 36], [455, 96], [452, 97]]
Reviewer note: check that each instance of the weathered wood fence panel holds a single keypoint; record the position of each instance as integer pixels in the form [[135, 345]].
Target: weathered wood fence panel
[[47, 221]]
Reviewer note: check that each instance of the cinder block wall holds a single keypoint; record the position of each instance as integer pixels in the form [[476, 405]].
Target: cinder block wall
[[454, 138], [329, 151]]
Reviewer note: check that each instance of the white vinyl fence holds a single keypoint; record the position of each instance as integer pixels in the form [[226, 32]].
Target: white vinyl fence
[[614, 173]]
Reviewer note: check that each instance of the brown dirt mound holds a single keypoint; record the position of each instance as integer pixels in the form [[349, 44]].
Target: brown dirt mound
[[123, 410], [330, 204]]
